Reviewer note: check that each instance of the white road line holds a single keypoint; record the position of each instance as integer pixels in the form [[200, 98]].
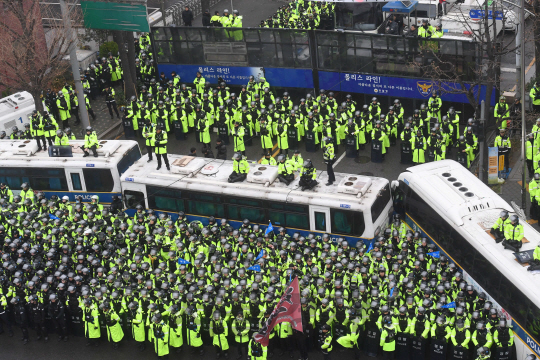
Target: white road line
[[340, 158], [510, 70]]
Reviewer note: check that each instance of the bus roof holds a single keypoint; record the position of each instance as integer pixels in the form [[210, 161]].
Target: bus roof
[[354, 192], [474, 214], [24, 153]]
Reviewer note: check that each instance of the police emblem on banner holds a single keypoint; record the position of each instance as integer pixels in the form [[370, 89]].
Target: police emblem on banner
[[424, 87]]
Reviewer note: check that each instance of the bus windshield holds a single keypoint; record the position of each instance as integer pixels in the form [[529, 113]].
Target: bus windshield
[[129, 158], [355, 16]]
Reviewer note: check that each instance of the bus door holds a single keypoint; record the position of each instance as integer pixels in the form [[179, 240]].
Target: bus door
[[75, 179], [319, 218]]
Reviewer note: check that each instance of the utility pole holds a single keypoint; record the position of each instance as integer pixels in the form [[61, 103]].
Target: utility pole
[[163, 15], [519, 52], [75, 65], [523, 125]]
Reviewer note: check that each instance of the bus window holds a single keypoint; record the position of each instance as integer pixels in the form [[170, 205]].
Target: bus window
[[205, 208], [49, 179], [166, 203], [383, 198], [14, 177], [129, 158], [297, 221], [76, 180], [253, 214], [133, 198], [277, 218], [98, 180], [320, 221], [347, 222]]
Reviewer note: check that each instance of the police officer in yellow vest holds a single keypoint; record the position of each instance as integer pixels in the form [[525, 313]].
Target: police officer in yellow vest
[[308, 174], [240, 168], [388, 338], [159, 142], [90, 142], [535, 96], [329, 156], [497, 229], [513, 234], [502, 142], [285, 170], [61, 139], [325, 341]]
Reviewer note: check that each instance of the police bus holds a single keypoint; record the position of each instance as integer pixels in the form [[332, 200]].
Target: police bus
[[20, 162], [357, 208], [449, 205]]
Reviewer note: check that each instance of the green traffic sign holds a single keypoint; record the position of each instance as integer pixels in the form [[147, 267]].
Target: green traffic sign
[[115, 16]]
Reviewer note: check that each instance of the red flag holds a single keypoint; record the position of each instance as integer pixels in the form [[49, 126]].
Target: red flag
[[287, 310]]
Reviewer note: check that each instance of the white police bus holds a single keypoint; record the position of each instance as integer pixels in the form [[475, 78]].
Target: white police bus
[[357, 208], [454, 209], [20, 162]]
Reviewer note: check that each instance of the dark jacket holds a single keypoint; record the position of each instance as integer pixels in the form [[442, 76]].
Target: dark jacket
[[206, 19], [187, 16], [221, 152]]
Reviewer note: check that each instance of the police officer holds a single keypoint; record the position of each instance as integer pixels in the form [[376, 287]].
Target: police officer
[[61, 139], [241, 327], [90, 142], [503, 144], [159, 142], [329, 158], [535, 96], [111, 101], [325, 341], [513, 234], [285, 170], [240, 168], [308, 174]]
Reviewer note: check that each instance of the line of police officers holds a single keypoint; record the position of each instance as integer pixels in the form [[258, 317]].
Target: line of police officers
[[95, 272]]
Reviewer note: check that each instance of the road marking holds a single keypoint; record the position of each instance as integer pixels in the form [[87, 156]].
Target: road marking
[[526, 71], [510, 70], [340, 158]]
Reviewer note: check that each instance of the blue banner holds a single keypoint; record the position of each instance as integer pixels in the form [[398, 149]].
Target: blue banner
[[239, 75], [449, 305], [370, 247], [52, 217], [435, 254], [255, 268], [260, 255], [393, 86], [269, 229], [183, 261]]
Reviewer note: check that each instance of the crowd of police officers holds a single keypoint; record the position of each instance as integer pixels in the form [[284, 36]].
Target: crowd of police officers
[[93, 271]]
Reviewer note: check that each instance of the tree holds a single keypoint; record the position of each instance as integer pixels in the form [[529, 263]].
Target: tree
[[30, 58], [486, 43]]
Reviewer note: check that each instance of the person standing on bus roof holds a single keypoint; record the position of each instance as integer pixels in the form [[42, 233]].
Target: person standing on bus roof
[[159, 141], [513, 234], [329, 157], [49, 127], [148, 132], [36, 127], [90, 142]]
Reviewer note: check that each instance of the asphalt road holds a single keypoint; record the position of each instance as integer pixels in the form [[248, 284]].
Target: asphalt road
[[13, 349]]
